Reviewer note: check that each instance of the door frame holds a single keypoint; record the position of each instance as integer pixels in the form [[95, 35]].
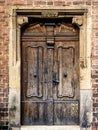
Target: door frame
[[80, 17]]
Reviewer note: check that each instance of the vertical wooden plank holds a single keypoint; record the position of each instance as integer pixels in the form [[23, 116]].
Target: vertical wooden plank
[[41, 113], [45, 74], [50, 62], [60, 65], [40, 71], [49, 115]]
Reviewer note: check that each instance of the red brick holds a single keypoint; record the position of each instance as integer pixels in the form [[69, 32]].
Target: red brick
[[2, 2], [59, 3], [30, 2], [1, 10], [39, 3], [88, 3], [95, 25], [94, 128], [78, 3], [19, 2], [95, 104], [96, 100], [68, 3], [95, 95], [50, 3], [95, 3], [94, 61], [9, 2]]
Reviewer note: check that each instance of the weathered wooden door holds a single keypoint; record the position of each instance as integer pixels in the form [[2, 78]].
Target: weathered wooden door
[[50, 73]]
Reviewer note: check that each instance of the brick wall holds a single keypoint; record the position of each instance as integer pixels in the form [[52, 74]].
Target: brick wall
[[4, 50], [4, 41], [95, 61]]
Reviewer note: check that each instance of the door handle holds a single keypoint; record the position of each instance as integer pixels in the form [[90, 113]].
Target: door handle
[[56, 81]]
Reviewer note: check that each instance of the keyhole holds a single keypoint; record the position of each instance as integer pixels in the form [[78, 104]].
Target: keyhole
[[35, 75], [65, 74]]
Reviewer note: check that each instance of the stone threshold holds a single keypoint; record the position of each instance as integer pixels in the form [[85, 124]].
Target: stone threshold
[[50, 127]]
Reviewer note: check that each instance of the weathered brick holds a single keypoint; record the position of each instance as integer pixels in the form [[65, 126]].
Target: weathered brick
[[1, 10], [78, 3], [94, 128], [68, 3], [95, 95], [95, 25], [9, 2], [94, 73], [2, 2], [95, 3], [95, 104], [50, 3], [88, 3], [19, 2], [96, 99], [59, 3], [39, 3], [30, 2]]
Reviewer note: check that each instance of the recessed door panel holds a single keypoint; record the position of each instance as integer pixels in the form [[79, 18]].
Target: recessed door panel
[[66, 112], [34, 59], [66, 59]]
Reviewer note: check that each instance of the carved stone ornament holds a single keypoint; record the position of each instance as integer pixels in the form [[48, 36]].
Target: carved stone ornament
[[22, 20], [49, 14], [77, 20]]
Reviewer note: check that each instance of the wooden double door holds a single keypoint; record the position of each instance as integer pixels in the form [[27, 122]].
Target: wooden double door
[[50, 73]]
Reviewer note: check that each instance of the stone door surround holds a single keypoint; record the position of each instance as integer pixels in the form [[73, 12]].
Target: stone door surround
[[81, 17]]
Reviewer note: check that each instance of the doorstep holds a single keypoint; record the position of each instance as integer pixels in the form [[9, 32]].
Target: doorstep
[[50, 128]]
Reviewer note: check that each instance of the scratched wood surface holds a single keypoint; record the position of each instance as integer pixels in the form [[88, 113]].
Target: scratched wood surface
[[50, 73]]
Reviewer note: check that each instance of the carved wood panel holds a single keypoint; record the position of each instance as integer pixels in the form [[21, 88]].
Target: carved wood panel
[[66, 61], [34, 59]]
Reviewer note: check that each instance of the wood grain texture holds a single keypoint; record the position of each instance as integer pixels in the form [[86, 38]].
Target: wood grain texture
[[50, 74]]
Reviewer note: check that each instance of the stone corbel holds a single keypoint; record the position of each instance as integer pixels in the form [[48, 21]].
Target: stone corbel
[[77, 20], [22, 20]]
